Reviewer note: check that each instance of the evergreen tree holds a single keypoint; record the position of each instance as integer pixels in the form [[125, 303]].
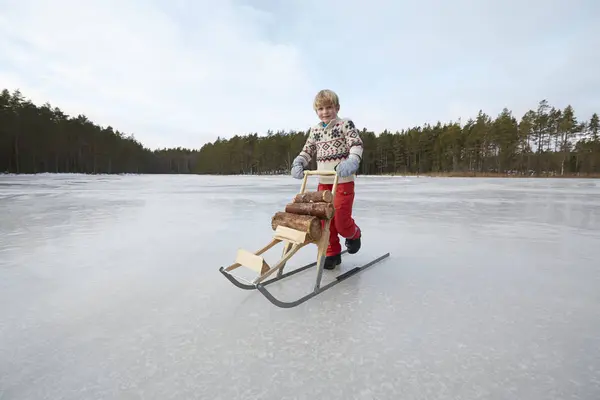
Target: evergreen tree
[[546, 141]]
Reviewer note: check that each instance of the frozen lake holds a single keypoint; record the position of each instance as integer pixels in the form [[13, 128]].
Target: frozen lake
[[109, 289]]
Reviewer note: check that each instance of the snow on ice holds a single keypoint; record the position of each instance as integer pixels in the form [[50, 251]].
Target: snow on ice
[[109, 288]]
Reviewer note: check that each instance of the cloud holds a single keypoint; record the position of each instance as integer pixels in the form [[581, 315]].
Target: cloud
[[169, 77], [184, 72]]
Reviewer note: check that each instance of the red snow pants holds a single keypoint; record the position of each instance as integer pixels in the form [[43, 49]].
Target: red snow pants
[[342, 222]]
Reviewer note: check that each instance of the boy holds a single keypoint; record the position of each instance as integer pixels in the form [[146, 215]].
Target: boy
[[337, 146]]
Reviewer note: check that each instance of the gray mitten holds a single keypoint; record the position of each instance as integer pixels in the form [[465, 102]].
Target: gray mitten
[[349, 166], [298, 167]]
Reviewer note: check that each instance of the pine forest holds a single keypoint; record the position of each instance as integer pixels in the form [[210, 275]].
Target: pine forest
[[545, 141]]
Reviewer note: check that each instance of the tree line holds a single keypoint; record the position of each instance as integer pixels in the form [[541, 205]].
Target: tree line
[[545, 141]]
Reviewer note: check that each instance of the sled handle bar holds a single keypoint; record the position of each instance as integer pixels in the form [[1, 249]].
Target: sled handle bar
[[321, 173], [308, 173]]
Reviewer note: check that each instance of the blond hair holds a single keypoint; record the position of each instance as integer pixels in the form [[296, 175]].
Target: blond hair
[[326, 97]]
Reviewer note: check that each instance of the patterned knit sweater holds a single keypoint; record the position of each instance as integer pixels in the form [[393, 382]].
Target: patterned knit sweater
[[332, 144]]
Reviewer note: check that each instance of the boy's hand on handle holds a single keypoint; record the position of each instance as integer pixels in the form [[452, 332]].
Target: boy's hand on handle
[[298, 167], [349, 166]]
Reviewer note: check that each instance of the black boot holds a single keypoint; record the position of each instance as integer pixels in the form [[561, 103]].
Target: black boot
[[332, 261], [353, 245]]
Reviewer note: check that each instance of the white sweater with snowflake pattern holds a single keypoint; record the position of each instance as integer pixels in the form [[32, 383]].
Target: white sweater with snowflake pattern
[[332, 144]]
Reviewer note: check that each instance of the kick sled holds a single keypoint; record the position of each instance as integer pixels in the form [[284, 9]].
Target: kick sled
[[305, 221]]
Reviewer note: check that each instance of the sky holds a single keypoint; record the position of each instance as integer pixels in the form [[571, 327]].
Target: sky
[[182, 73]]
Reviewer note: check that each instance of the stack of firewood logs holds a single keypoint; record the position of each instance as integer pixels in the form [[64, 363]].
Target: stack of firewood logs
[[306, 213]]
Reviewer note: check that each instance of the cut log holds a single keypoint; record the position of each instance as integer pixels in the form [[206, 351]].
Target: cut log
[[319, 210], [304, 223], [321, 196]]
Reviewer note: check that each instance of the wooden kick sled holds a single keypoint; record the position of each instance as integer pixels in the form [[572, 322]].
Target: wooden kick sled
[[305, 221]]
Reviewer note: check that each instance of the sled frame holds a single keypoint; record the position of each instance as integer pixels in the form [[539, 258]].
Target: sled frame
[[293, 241], [317, 290]]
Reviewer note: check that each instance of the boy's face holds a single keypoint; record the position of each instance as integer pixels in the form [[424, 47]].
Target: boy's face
[[327, 112]]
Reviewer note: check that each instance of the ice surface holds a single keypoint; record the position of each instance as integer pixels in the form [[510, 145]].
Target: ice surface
[[109, 288]]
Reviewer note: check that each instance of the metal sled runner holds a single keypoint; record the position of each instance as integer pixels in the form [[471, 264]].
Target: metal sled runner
[[305, 221]]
